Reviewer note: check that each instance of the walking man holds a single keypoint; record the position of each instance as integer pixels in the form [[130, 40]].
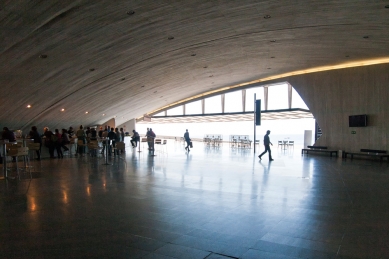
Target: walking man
[[267, 143], [187, 139]]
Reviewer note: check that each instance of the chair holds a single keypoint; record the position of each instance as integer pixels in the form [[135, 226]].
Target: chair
[[93, 147], [70, 146], [280, 143], [34, 147], [162, 144], [16, 151], [143, 141], [80, 146], [158, 142], [285, 143], [119, 146], [291, 143]]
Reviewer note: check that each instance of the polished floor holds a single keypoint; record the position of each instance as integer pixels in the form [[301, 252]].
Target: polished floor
[[210, 203]]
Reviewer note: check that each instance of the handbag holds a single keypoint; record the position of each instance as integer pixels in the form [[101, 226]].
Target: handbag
[[191, 144]]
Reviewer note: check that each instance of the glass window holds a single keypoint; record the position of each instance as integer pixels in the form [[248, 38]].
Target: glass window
[[297, 101], [250, 98], [277, 97], [175, 111], [233, 102], [213, 104], [160, 114], [193, 108]]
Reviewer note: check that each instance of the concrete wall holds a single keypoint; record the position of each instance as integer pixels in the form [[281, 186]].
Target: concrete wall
[[128, 126], [334, 95]]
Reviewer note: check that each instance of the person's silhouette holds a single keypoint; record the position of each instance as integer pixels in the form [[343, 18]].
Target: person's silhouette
[[267, 143]]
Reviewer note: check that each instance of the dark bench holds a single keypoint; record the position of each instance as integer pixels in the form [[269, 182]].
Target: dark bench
[[318, 149], [369, 152]]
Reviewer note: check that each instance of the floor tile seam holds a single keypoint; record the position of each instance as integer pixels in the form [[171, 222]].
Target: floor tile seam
[[270, 252], [287, 246], [302, 237], [225, 233], [227, 244], [154, 230], [210, 251], [169, 243], [307, 240]]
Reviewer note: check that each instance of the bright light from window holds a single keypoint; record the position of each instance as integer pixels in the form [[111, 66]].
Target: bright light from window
[[277, 97], [213, 104], [297, 101], [233, 102], [250, 98], [193, 108], [175, 111]]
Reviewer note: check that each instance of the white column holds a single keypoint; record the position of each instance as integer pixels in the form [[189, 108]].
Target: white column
[[223, 100], [289, 96], [244, 100]]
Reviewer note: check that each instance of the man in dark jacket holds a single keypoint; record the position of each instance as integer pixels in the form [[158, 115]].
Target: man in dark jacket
[[112, 138], [267, 143], [187, 139], [150, 139], [135, 139]]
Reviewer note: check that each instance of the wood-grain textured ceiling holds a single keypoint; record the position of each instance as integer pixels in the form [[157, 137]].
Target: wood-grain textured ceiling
[[126, 58]]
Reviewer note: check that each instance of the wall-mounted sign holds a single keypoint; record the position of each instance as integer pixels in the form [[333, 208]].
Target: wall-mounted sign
[[353, 132]]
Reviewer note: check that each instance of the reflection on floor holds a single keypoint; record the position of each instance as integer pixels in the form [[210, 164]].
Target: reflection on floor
[[208, 203]]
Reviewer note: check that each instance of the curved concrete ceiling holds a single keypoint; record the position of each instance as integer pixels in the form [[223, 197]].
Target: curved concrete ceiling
[[126, 58]]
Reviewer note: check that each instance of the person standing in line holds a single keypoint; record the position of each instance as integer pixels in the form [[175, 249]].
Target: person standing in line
[[92, 134], [49, 141], [34, 134], [267, 143], [101, 132], [112, 139], [65, 140], [150, 139], [117, 139], [81, 136], [71, 132], [187, 139], [7, 134], [147, 133], [57, 139], [122, 135], [104, 136]]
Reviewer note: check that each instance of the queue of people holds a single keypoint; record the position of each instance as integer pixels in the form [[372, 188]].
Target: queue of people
[[58, 140]]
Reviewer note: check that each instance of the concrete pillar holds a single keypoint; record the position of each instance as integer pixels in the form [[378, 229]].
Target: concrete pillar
[[223, 100], [244, 100]]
